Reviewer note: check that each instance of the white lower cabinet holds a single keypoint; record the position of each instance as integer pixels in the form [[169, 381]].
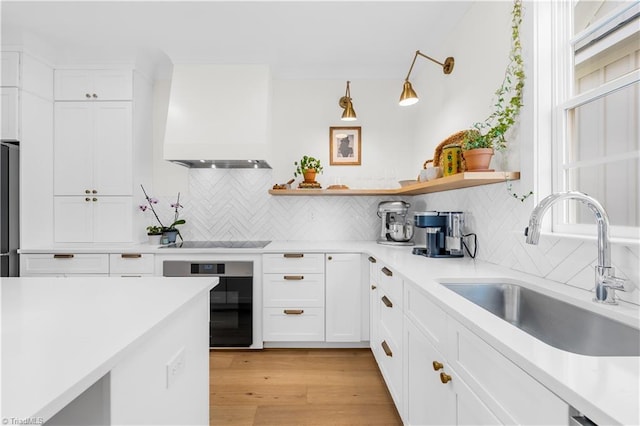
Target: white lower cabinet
[[452, 376], [343, 290], [374, 306], [63, 264], [93, 219], [131, 265]]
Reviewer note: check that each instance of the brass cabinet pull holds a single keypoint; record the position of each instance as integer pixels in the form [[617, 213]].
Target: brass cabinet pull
[[94, 192], [386, 348], [387, 302], [387, 272], [437, 365], [294, 311], [293, 255], [372, 259], [131, 276], [87, 199], [294, 277], [131, 255], [63, 256], [95, 96], [330, 258], [94, 199], [86, 191], [88, 96], [373, 287], [445, 378]]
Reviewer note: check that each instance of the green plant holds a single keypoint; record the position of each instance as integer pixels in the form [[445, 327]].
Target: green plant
[[307, 163], [490, 133], [154, 230]]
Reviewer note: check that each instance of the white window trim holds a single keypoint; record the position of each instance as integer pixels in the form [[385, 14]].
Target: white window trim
[[559, 60]]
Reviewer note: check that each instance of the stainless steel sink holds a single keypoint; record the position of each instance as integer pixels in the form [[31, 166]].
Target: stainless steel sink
[[559, 324]]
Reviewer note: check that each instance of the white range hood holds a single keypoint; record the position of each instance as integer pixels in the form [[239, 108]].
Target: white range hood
[[219, 116]]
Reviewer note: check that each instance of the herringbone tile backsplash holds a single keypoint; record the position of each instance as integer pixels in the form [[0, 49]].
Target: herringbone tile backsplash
[[235, 205]]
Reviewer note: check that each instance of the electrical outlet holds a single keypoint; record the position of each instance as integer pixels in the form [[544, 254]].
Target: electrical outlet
[[175, 367]]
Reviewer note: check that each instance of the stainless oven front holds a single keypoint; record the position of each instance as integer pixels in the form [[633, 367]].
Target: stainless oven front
[[231, 301]]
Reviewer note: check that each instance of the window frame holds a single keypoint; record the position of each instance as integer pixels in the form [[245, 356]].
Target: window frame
[[565, 101]]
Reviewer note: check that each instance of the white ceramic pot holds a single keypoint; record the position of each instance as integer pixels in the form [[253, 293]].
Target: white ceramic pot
[[154, 240]]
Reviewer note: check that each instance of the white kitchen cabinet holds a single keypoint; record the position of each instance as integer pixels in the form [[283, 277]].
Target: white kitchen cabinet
[[92, 219], [374, 306], [10, 109], [93, 85], [484, 387], [10, 66], [293, 297], [343, 286], [93, 148], [63, 264]]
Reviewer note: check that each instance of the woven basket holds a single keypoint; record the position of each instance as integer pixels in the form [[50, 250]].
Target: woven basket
[[454, 139]]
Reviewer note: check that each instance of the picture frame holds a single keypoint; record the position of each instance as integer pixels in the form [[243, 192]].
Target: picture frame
[[345, 146]]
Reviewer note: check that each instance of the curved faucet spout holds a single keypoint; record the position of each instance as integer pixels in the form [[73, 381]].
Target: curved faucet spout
[[602, 220], [606, 282]]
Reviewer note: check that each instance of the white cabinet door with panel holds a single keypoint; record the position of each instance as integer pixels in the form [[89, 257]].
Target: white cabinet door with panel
[[343, 286], [92, 219], [93, 148], [62, 264], [10, 66], [10, 118], [93, 85], [374, 306]]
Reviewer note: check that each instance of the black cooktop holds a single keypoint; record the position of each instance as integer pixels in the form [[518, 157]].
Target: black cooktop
[[217, 244]]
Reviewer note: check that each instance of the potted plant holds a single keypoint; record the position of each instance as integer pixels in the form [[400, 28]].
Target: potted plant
[[480, 141], [308, 167], [155, 234], [170, 232]]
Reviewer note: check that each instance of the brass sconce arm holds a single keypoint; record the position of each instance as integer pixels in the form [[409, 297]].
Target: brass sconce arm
[[447, 67]]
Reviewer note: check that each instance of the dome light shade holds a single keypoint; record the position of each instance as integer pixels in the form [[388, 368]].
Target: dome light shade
[[408, 96]]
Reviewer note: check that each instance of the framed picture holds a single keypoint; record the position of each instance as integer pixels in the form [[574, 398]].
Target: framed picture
[[345, 146]]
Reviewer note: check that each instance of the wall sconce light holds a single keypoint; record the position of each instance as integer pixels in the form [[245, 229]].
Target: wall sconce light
[[345, 103], [409, 96]]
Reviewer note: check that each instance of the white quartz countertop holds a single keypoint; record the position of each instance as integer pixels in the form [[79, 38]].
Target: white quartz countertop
[[606, 389], [61, 335]]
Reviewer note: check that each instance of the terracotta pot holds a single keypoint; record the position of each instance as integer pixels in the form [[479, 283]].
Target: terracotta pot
[[310, 175], [478, 159]]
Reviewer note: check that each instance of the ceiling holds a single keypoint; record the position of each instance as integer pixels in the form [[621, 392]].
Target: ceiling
[[298, 39]]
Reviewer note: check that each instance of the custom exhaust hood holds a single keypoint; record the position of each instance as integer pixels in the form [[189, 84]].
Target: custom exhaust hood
[[218, 116]]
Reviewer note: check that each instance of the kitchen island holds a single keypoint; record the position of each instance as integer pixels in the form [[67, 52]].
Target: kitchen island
[[104, 350]]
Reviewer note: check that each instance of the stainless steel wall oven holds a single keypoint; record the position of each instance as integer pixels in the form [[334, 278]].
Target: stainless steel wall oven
[[231, 301]]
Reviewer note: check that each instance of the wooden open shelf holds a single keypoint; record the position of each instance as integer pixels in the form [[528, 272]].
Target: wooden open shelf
[[457, 181]]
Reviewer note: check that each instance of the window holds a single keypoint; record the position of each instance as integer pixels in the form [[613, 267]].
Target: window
[[598, 113]]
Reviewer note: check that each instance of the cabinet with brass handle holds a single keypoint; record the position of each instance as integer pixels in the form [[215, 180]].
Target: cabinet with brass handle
[[445, 378], [437, 365], [293, 255], [294, 311], [63, 256], [387, 271], [386, 348], [387, 302], [294, 277], [372, 259]]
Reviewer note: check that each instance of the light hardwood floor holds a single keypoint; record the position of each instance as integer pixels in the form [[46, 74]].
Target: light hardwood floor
[[298, 387]]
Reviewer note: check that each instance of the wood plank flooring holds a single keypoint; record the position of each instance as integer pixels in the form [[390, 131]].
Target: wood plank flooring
[[298, 387]]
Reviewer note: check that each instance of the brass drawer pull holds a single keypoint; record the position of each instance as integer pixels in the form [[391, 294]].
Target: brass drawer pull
[[437, 365], [372, 259], [293, 255], [387, 272], [445, 378], [63, 256], [373, 287], [387, 302], [294, 311], [131, 255], [131, 276], [294, 277], [387, 349]]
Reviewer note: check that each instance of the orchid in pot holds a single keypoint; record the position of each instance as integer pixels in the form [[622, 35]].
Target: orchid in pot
[[171, 232]]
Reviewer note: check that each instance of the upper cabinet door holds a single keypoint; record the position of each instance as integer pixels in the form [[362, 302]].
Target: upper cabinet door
[[93, 85], [9, 118], [10, 69], [73, 148], [113, 148]]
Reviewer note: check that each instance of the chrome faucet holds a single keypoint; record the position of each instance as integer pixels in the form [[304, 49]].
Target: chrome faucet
[[606, 282]]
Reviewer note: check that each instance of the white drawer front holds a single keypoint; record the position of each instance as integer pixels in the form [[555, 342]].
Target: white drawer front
[[425, 314], [513, 395], [390, 316], [65, 263], [293, 324], [305, 290], [391, 282], [129, 263], [390, 363], [293, 263]]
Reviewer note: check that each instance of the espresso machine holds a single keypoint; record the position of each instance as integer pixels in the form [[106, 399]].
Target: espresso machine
[[444, 233], [395, 228]]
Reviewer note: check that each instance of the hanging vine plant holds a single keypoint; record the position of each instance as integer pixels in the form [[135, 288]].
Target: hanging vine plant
[[490, 133]]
